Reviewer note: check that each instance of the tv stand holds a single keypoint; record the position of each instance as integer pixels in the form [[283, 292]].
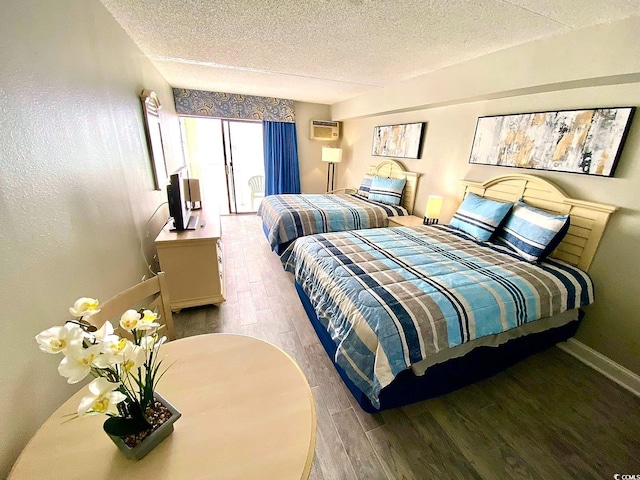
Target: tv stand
[[192, 224], [192, 262]]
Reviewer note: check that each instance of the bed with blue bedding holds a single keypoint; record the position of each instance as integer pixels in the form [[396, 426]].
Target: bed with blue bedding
[[411, 312], [287, 217]]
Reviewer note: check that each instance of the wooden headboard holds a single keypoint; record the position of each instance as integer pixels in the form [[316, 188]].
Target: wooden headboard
[[587, 219], [393, 169]]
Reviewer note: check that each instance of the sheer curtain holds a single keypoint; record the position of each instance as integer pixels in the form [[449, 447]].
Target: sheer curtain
[[282, 174]]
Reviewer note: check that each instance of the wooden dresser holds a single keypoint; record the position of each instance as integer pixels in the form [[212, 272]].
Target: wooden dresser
[[192, 262]]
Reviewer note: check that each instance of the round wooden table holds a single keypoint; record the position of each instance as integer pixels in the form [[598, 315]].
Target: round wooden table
[[247, 413]]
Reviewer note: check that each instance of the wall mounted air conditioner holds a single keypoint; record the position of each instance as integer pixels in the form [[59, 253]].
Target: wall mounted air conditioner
[[324, 130]]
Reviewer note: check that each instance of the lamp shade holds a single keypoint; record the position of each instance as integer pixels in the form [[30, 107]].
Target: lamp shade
[[434, 205], [194, 190], [331, 154]]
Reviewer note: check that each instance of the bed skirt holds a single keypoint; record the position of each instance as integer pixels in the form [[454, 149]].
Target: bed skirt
[[278, 248], [442, 378]]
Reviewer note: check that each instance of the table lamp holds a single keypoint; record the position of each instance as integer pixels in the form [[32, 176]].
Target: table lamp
[[194, 194], [331, 155], [432, 210]]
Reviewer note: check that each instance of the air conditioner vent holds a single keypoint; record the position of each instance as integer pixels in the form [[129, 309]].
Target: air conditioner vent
[[326, 130]]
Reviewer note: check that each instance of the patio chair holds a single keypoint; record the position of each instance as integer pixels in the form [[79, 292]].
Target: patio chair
[[256, 185]]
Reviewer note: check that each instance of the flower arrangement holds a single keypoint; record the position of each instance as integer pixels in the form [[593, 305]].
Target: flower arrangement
[[126, 371]]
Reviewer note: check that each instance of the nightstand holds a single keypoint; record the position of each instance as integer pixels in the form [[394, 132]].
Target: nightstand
[[405, 221]]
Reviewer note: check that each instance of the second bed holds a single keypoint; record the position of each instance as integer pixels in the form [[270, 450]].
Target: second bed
[[289, 216]]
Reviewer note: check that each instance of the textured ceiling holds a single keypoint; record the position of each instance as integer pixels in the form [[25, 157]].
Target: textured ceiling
[[325, 51]]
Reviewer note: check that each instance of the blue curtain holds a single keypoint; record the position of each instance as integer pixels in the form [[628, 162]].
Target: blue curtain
[[282, 174]]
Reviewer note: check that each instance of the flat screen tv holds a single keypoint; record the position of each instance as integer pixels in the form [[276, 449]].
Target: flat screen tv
[[179, 201]]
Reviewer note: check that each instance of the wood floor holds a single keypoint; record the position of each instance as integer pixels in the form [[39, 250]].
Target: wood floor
[[549, 417]]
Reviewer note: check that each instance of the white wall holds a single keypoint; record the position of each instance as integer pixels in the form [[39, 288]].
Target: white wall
[[313, 173], [75, 187], [602, 55], [594, 67]]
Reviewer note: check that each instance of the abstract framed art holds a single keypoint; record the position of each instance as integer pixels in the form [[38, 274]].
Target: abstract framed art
[[398, 141], [585, 141]]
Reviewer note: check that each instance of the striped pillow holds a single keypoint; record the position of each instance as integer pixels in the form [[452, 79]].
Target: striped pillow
[[365, 186], [531, 232], [387, 190], [479, 216]]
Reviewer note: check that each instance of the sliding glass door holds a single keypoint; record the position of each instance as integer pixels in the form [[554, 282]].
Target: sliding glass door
[[227, 156], [246, 160]]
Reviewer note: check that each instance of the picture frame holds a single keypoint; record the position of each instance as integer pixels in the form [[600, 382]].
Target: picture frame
[[153, 131], [583, 141], [398, 141]]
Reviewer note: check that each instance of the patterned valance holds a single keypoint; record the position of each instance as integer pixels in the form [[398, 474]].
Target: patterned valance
[[199, 103]]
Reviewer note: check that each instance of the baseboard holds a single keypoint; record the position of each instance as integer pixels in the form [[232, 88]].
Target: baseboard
[[610, 369]]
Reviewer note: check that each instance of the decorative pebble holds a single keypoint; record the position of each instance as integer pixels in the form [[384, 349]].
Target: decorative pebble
[[156, 417]]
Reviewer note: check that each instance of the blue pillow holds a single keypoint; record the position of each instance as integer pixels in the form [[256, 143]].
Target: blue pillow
[[365, 186], [531, 232], [479, 216], [387, 190]]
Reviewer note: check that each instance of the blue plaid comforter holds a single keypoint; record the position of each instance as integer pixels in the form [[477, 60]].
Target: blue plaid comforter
[[389, 297], [287, 217]]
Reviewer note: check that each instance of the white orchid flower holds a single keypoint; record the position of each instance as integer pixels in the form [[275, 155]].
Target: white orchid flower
[[148, 342], [111, 343], [104, 361], [84, 307], [134, 358], [59, 339], [154, 343], [103, 398], [130, 320], [105, 332], [114, 351], [147, 321], [121, 365], [77, 363]]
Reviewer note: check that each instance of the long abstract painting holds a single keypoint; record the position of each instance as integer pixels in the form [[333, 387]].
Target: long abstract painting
[[576, 141], [400, 141]]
